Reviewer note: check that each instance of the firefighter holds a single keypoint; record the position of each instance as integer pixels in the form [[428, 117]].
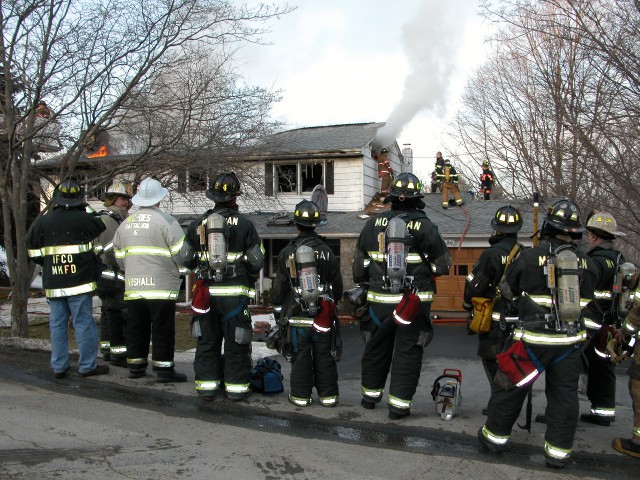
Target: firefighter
[[399, 325], [448, 178], [550, 330], [385, 172], [147, 247], [486, 180], [600, 319], [483, 282], [630, 334], [62, 242], [117, 201], [438, 173], [230, 286], [310, 316]]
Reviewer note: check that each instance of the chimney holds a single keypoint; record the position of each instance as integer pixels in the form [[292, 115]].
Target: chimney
[[407, 153]]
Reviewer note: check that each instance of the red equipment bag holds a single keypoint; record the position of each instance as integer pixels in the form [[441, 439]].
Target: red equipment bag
[[323, 321], [517, 365], [407, 309], [200, 301]]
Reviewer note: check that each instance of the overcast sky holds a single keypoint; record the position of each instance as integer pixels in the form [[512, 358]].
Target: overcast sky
[[403, 62]]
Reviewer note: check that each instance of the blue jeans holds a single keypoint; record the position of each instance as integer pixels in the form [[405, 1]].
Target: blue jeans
[[80, 307]]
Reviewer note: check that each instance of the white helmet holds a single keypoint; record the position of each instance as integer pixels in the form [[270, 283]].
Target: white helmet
[[122, 189], [150, 192], [603, 225]]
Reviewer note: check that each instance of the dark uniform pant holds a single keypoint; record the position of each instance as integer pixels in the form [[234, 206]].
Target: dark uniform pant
[[398, 348], [113, 322], [601, 384], [228, 320], [489, 345], [312, 365], [561, 377], [151, 320]]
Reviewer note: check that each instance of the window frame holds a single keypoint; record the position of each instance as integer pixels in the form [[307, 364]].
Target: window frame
[[272, 176]]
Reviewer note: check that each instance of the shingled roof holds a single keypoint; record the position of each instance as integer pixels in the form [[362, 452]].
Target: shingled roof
[[346, 138], [453, 222]]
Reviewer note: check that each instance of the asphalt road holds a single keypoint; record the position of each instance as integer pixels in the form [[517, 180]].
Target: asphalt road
[[115, 427]]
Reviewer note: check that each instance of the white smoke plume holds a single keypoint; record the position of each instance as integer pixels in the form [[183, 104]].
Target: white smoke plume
[[431, 42]]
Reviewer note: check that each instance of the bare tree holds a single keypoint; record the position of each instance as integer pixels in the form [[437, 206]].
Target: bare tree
[[555, 108], [105, 65]]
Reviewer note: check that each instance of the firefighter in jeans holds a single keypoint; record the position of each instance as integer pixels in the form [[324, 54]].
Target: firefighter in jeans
[[312, 340], [397, 346], [448, 178], [483, 282], [556, 344], [230, 289], [62, 241], [630, 334], [600, 318], [117, 201], [147, 247]]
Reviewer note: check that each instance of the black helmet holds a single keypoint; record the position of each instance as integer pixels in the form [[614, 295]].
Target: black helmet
[[225, 187], [306, 214], [68, 193], [507, 220], [564, 215], [406, 185]]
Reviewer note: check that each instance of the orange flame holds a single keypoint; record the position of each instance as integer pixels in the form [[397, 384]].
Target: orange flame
[[102, 152]]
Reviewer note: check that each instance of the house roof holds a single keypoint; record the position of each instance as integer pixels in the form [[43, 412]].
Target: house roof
[[338, 139], [452, 223]]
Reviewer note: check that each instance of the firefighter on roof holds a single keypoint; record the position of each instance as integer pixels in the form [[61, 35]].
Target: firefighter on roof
[[448, 178], [385, 172], [398, 254], [307, 286], [551, 332], [62, 241], [486, 180], [482, 283], [227, 254], [601, 317]]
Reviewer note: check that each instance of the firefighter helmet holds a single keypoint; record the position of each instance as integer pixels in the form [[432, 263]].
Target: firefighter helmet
[[406, 185], [507, 220], [119, 189], [486, 164], [565, 216], [150, 193], [68, 193], [225, 187], [603, 225], [306, 214]]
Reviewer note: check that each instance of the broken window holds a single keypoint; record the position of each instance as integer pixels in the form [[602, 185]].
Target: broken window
[[299, 177], [311, 175], [197, 181], [287, 178]]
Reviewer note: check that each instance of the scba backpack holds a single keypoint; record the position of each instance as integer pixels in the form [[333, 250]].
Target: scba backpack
[[266, 376]]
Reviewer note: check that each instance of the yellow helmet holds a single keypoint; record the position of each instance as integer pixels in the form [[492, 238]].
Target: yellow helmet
[[603, 225]]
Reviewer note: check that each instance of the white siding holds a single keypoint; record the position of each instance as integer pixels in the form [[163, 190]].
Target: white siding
[[347, 196]]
